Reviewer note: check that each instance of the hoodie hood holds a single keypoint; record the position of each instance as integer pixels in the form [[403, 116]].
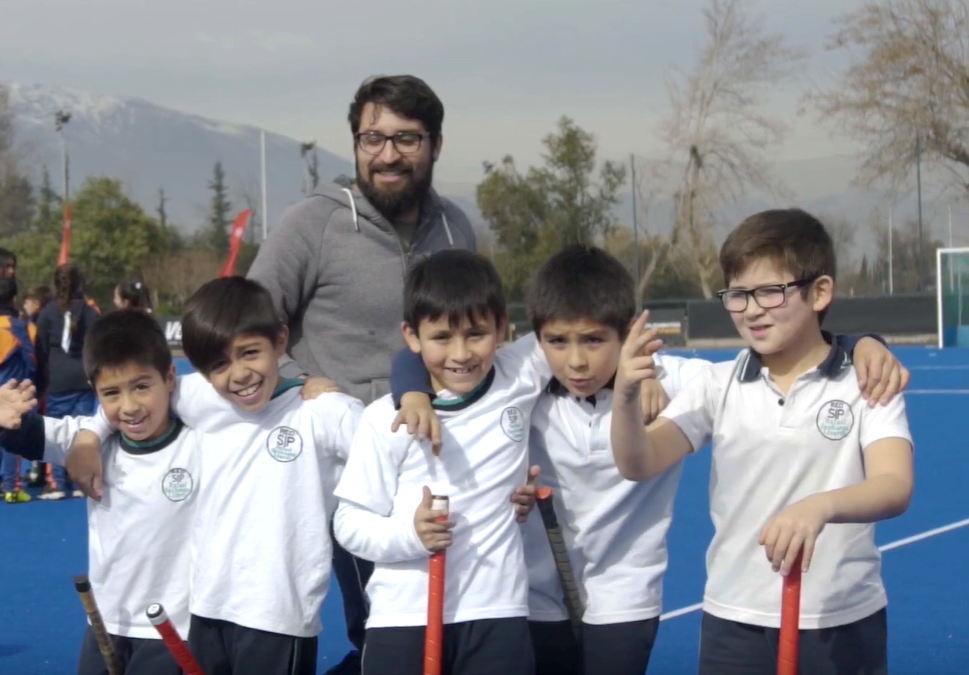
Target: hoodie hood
[[343, 192]]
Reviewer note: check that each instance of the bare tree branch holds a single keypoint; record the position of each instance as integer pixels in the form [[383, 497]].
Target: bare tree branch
[[718, 138], [908, 81]]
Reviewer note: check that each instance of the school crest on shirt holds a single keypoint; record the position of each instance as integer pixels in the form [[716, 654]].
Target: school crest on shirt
[[177, 485], [513, 423], [284, 444], [835, 420]]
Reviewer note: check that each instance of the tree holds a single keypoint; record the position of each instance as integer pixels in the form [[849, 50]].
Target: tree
[[907, 88], [16, 204], [162, 213], [112, 237], [535, 214], [48, 217], [718, 138], [220, 217], [16, 192]]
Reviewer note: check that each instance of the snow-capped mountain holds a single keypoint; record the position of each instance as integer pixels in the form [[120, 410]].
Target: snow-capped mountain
[[150, 147]]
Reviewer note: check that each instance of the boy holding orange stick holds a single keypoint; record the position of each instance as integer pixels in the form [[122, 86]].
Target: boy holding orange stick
[[802, 464]]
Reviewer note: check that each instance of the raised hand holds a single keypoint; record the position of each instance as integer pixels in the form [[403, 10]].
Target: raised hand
[[636, 362]]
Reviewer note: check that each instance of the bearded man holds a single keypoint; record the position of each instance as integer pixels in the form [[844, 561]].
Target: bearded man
[[336, 262]]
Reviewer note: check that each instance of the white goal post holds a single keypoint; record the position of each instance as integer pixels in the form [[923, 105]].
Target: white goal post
[[952, 296]]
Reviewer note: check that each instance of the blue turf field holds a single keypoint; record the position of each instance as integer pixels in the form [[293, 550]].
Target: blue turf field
[[44, 545]]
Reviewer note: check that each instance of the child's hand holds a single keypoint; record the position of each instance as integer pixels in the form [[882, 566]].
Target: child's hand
[[880, 375], [418, 414], [795, 527], [636, 358], [524, 497], [16, 400], [653, 399], [315, 386], [84, 464], [436, 536]]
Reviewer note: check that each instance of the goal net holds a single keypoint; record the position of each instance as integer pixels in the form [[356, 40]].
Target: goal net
[[952, 296]]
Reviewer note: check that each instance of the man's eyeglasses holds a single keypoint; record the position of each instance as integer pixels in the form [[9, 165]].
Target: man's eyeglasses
[[373, 142], [766, 297]]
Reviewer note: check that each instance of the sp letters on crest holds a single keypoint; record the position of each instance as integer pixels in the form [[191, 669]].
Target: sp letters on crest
[[835, 420], [513, 423], [177, 485], [284, 444]]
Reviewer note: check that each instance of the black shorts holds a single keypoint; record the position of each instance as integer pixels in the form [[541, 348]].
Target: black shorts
[[485, 647], [224, 648], [607, 649], [732, 648], [137, 656]]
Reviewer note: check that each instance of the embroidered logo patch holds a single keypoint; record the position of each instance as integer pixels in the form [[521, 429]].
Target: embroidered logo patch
[[835, 420], [177, 485], [513, 423], [284, 444]]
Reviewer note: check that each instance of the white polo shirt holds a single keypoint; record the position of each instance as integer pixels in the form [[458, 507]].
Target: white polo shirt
[[483, 458], [614, 529], [139, 549], [770, 451]]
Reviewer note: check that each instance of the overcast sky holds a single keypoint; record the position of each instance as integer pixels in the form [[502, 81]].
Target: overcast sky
[[505, 69]]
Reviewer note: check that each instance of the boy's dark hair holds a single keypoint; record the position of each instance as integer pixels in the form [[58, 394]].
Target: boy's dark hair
[[582, 282], [221, 310], [794, 240], [6, 255], [454, 283], [404, 95], [8, 292], [123, 337]]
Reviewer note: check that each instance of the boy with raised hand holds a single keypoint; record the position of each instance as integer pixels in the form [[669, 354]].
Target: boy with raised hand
[[261, 538], [581, 303], [138, 535], [454, 319], [801, 465]]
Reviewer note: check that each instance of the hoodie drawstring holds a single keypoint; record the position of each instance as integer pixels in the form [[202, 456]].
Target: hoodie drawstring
[[353, 209], [447, 230]]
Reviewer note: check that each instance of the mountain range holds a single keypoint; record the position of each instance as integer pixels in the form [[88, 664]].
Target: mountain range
[[151, 147]]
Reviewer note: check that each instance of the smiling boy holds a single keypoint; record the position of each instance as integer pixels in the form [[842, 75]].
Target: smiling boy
[[802, 466], [454, 319], [138, 534]]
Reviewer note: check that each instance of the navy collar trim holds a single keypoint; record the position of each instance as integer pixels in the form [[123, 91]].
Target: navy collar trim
[[147, 447], [556, 388], [833, 365]]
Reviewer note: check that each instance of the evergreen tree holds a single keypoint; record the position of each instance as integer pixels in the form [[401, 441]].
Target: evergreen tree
[[162, 214], [219, 216]]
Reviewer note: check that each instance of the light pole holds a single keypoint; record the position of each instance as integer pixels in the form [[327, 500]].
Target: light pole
[[918, 178], [60, 119]]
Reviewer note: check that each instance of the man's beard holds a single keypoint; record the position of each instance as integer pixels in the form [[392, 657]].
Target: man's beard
[[393, 203]]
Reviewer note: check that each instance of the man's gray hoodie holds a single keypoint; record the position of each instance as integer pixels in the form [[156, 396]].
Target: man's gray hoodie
[[335, 267]]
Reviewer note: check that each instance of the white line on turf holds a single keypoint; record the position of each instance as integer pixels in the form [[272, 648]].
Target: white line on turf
[[915, 538], [940, 392]]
